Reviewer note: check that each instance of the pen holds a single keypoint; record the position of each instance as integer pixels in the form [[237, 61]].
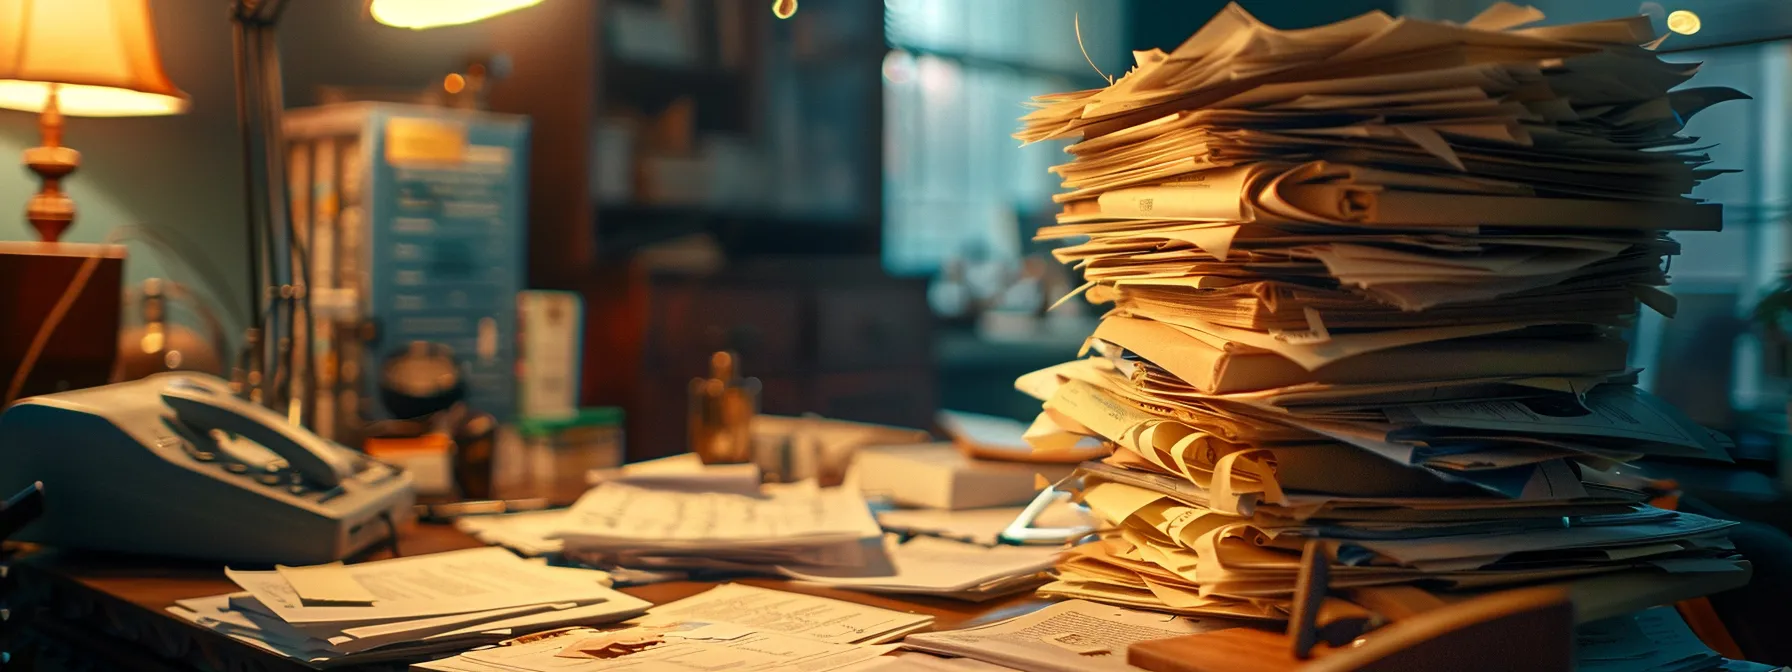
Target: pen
[[437, 513]]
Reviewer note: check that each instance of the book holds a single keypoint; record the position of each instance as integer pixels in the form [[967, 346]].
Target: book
[[939, 476]]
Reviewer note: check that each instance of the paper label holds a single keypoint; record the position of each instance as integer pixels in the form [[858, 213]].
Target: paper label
[[410, 140]]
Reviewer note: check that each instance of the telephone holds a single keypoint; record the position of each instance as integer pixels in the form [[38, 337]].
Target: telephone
[[174, 464]]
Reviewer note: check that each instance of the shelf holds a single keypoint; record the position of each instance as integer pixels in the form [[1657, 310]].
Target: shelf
[[721, 96]]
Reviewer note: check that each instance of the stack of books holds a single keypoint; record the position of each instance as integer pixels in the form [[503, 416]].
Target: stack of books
[[1368, 284]]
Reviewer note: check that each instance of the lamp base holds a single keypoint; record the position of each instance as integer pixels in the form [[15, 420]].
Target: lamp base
[[51, 211]]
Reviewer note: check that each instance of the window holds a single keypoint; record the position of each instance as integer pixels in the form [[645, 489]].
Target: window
[[955, 183]]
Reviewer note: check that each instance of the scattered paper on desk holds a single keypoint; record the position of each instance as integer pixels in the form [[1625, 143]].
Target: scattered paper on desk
[[781, 612], [942, 568], [684, 472], [319, 585], [980, 526], [750, 651], [427, 585], [1072, 627], [624, 514], [241, 617]]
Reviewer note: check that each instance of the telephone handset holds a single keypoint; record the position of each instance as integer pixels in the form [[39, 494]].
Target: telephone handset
[[201, 407]]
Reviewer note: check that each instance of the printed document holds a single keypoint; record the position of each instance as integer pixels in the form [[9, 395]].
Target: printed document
[[779, 612], [429, 585], [621, 514], [1070, 636], [736, 650]]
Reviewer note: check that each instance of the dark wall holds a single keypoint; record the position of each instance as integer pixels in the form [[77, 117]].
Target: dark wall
[[1166, 23]]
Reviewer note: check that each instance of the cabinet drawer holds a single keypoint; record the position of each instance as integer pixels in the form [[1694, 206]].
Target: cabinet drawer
[[865, 327], [764, 326]]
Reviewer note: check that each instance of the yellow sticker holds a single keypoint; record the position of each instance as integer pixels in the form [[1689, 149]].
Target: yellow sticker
[[410, 140]]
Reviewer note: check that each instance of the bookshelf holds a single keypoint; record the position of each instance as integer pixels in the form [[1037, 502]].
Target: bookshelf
[[656, 120], [660, 118]]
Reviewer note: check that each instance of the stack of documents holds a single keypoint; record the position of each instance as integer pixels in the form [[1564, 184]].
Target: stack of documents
[[732, 627], [405, 608], [941, 476], [823, 536], [1069, 636], [1368, 284], [620, 524], [799, 526]]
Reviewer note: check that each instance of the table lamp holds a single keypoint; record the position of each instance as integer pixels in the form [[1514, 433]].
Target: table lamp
[[87, 58]]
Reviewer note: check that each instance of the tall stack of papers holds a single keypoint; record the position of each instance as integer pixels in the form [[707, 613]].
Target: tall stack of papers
[[1368, 284], [405, 608]]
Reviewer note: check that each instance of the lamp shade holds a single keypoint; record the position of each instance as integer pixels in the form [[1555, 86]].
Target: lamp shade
[[101, 54], [420, 14]]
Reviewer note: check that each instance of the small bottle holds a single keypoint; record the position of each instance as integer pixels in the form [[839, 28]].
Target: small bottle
[[721, 412]]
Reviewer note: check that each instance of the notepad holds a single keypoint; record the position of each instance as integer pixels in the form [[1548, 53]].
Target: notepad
[[318, 585]]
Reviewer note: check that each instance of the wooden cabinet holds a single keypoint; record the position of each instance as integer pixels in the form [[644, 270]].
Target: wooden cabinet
[[830, 336]]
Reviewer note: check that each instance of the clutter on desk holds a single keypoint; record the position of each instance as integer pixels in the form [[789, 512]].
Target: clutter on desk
[[721, 412], [1068, 636], [940, 476], [687, 646], [937, 567], [1382, 311], [683, 472], [986, 437], [986, 527], [628, 523], [550, 345], [555, 455], [750, 628], [783, 612], [790, 526], [679, 515], [791, 449], [405, 608]]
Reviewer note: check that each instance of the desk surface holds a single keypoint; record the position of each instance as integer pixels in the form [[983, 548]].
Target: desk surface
[[127, 600], [112, 610]]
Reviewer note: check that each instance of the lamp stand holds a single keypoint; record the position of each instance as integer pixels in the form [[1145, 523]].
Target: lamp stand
[[51, 211]]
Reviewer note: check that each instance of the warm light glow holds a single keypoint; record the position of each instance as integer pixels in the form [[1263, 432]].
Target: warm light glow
[[784, 9], [420, 14], [1683, 22], [454, 83], [102, 53], [88, 101]]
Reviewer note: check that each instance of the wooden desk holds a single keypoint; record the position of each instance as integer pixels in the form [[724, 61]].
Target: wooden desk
[[109, 612]]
